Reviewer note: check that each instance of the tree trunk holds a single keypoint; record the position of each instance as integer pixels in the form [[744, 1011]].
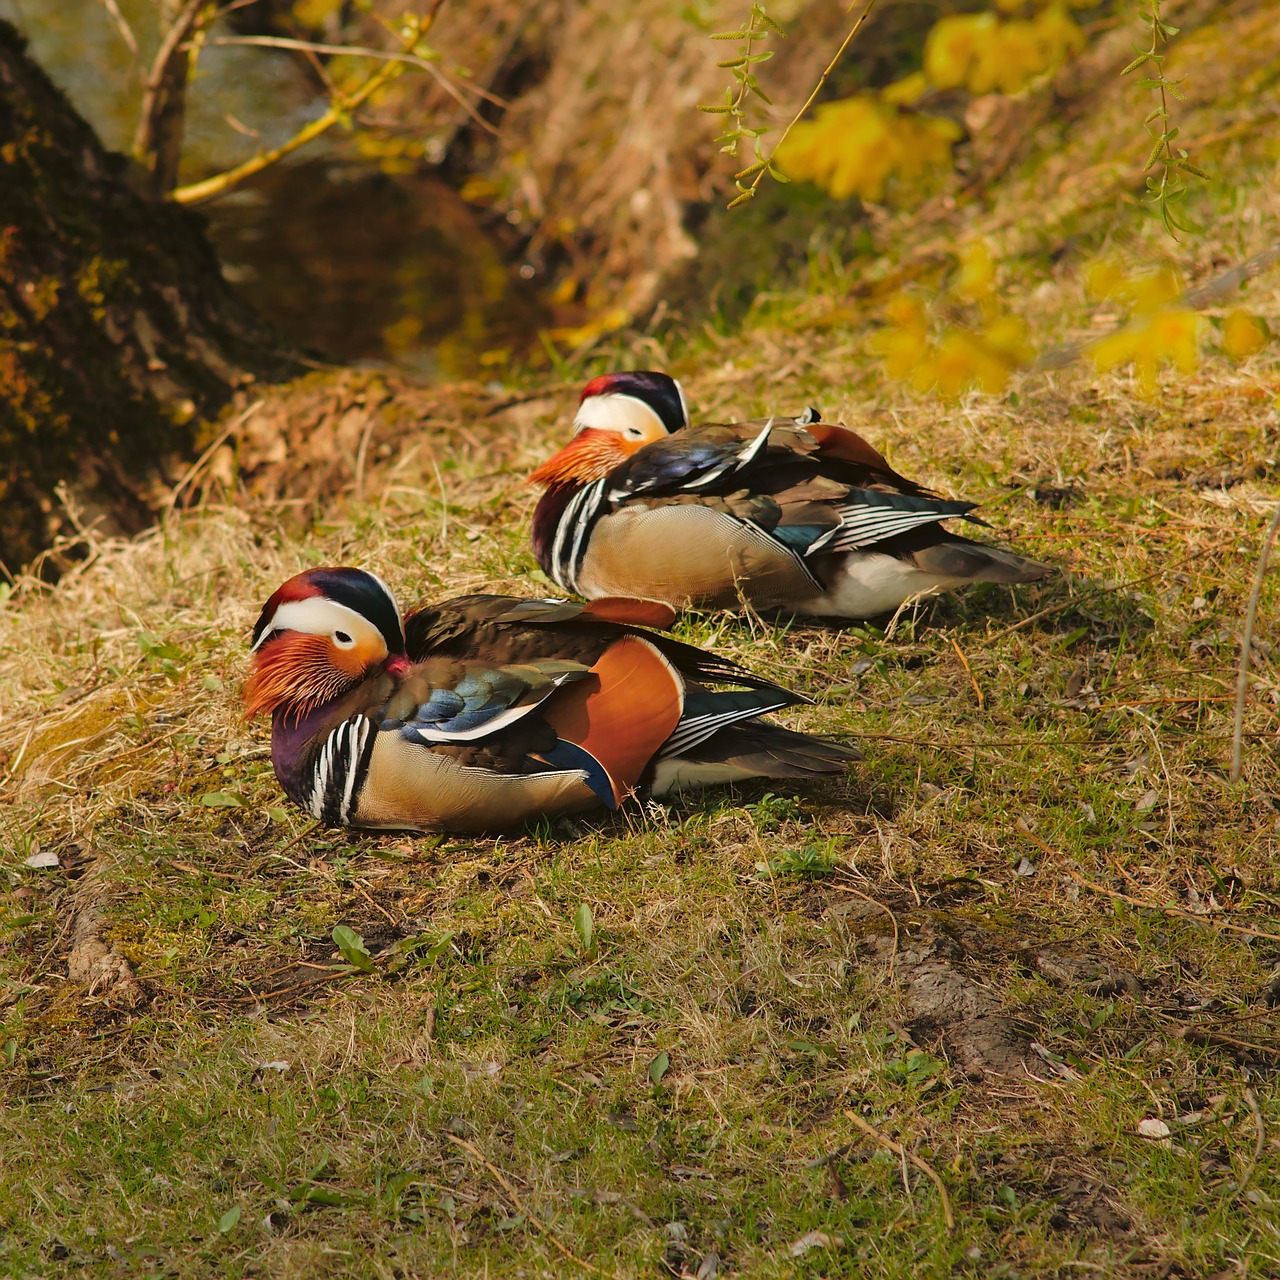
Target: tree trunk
[[119, 338]]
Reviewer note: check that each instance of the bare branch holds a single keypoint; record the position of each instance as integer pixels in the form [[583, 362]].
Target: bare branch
[[125, 30], [342, 105], [157, 145], [446, 82]]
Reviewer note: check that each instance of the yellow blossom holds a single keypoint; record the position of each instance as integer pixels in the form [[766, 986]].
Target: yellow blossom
[[1243, 334], [981, 53], [1152, 290], [858, 145], [1059, 37], [962, 360], [1102, 277], [976, 278], [904, 343], [1170, 336], [1007, 335], [952, 47], [907, 91], [586, 334]]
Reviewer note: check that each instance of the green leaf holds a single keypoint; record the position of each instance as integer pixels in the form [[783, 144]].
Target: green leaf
[[659, 1067], [10, 1051], [222, 800], [422, 948], [229, 1220], [331, 1197], [584, 927], [351, 944]]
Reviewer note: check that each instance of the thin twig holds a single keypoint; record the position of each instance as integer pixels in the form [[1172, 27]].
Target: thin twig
[[375, 905], [158, 140], [519, 1204], [126, 32], [1208, 1039], [899, 1150], [1246, 643], [964, 662], [1252, 1103], [385, 55], [310, 831], [344, 105], [234, 425], [1180, 912], [809, 101], [893, 920], [332, 976]]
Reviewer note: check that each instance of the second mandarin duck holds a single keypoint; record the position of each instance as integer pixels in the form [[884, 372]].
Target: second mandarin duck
[[789, 514]]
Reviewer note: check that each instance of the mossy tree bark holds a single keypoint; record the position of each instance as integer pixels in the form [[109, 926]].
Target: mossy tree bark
[[119, 337]]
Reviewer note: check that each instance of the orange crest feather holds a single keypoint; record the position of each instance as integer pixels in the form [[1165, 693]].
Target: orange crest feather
[[297, 670], [589, 456]]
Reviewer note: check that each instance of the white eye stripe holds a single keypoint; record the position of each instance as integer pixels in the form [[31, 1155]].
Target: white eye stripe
[[616, 411], [684, 404], [318, 616]]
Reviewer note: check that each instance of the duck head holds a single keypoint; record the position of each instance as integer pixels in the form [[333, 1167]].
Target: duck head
[[320, 634], [619, 414]]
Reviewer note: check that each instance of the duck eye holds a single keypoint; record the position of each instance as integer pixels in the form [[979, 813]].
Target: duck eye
[[342, 640]]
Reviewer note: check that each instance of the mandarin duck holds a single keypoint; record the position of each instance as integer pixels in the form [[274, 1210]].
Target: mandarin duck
[[484, 712], [791, 514]]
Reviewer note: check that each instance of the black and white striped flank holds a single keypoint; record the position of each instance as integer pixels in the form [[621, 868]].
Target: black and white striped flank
[[340, 771], [573, 532]]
